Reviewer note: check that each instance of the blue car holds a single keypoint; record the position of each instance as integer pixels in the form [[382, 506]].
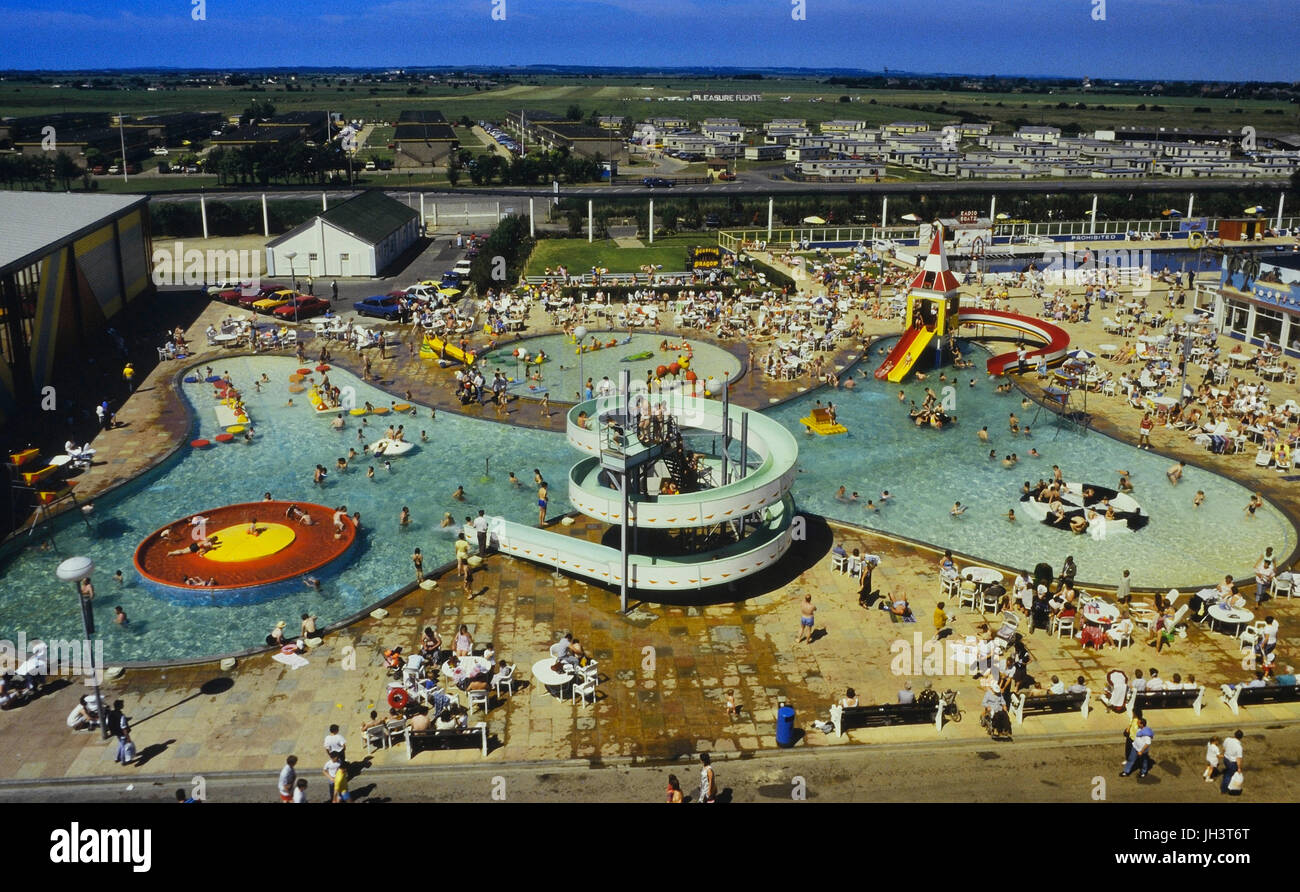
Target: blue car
[[383, 306]]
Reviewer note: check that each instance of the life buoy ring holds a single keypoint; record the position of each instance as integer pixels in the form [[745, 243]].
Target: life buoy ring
[[1195, 239], [398, 698], [289, 649]]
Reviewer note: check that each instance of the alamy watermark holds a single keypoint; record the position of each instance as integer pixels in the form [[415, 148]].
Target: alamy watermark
[[82, 658], [179, 265]]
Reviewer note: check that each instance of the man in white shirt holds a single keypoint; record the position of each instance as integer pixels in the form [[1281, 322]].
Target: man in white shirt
[[1058, 686], [1139, 683], [1232, 758], [481, 530], [1268, 637]]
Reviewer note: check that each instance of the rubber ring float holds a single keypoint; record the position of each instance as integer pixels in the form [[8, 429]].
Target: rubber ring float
[[200, 443], [289, 649], [304, 371], [356, 411], [235, 429], [398, 698], [191, 379], [381, 410], [224, 438], [295, 378], [402, 407], [297, 388]]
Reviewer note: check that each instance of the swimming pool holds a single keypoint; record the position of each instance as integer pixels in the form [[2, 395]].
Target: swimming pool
[[927, 470], [563, 373], [290, 443]]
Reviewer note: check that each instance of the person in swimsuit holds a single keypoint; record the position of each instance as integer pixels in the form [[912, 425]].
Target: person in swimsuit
[[806, 611], [541, 503]]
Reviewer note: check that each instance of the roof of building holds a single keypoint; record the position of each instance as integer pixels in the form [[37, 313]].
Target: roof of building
[[935, 275], [573, 130], [415, 131], [421, 116], [33, 224], [371, 216]]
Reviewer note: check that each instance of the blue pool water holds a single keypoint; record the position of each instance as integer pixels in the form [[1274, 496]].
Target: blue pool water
[[563, 375], [290, 442], [927, 470]]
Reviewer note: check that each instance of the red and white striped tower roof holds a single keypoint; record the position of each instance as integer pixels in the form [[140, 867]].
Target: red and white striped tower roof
[[934, 275]]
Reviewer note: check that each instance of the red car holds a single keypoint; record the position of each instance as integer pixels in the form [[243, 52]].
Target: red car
[[303, 306], [247, 300]]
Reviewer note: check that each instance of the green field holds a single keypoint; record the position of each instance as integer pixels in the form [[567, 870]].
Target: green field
[[668, 252], [808, 99]]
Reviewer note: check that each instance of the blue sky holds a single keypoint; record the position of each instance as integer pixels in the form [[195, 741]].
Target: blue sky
[[1246, 40]]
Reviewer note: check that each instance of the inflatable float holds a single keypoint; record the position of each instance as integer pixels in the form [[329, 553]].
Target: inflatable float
[[637, 357], [387, 447], [1078, 499], [820, 423], [436, 348]]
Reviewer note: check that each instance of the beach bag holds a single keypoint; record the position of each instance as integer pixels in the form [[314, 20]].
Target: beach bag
[[1235, 783]]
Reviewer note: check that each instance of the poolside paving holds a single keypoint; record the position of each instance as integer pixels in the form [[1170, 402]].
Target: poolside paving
[[660, 703]]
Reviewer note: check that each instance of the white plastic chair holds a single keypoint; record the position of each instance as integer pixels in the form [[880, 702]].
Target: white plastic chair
[[506, 678], [1063, 624], [839, 562], [1282, 587], [395, 729], [376, 738], [967, 597], [1248, 638], [480, 699], [582, 690]]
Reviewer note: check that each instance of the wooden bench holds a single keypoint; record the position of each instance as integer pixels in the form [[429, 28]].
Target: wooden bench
[[432, 739], [1244, 696], [1046, 703], [848, 718], [1166, 699]]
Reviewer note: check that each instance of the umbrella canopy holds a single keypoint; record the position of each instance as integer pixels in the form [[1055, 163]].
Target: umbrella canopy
[[1170, 212], [1082, 355], [1004, 216], [816, 221], [1193, 318], [1257, 209], [911, 218]]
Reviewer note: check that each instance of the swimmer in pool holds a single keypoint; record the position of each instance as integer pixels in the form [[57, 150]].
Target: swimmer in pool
[[957, 509], [885, 497], [840, 494], [514, 481], [993, 455], [446, 520], [870, 506], [459, 494], [1033, 453], [983, 434], [370, 472], [1198, 499], [1011, 515]]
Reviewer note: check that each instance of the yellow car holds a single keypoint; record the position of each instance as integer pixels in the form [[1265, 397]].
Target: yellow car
[[278, 299]]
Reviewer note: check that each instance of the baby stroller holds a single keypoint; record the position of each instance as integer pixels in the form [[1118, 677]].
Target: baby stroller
[[1116, 696]]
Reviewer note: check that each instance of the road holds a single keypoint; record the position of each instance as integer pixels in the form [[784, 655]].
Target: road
[[756, 184], [1072, 770]]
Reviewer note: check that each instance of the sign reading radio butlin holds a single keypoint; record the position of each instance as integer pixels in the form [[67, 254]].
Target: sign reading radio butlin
[[704, 258]]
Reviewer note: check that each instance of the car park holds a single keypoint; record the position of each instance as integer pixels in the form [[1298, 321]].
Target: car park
[[302, 306]]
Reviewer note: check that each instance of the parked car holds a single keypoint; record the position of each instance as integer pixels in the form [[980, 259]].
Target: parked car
[[452, 279], [423, 291], [657, 183], [247, 300], [278, 299], [726, 176], [302, 306], [382, 306]]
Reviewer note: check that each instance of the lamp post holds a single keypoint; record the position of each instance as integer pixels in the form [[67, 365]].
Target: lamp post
[[292, 272], [579, 333], [73, 570]]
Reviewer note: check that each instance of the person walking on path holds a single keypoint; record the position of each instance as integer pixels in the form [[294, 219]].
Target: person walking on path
[[1232, 756], [1140, 756], [1131, 731], [806, 612], [120, 728], [708, 780], [128, 377], [334, 290], [288, 779]]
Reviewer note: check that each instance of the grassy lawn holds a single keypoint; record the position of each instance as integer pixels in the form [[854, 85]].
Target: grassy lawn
[[579, 256]]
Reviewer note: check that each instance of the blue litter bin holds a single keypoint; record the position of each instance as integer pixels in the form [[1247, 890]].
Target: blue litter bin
[[785, 726]]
